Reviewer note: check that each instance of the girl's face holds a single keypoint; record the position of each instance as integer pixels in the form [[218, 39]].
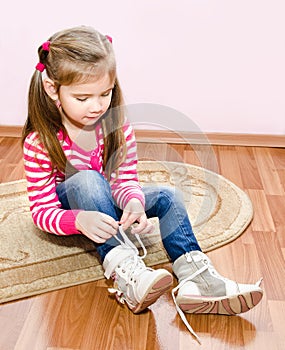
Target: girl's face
[[83, 104]]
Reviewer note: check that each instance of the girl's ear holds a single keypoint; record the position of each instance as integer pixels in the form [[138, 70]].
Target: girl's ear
[[50, 89]]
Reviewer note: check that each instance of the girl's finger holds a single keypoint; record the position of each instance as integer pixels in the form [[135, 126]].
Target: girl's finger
[[128, 221]]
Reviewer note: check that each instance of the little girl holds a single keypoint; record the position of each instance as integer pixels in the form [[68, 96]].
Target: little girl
[[80, 163]]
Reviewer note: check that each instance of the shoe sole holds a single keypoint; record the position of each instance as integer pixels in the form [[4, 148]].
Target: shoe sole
[[233, 305], [159, 287]]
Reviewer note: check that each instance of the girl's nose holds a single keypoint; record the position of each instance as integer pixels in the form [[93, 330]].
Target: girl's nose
[[96, 107]]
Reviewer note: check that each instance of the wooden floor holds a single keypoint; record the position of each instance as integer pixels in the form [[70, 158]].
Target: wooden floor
[[86, 318]]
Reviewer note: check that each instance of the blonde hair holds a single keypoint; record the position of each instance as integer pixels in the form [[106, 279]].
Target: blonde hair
[[75, 55]]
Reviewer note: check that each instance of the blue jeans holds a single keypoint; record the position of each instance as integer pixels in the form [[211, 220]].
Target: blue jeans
[[89, 190]]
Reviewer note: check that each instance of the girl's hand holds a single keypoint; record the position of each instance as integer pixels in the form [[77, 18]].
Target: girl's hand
[[97, 226], [134, 212]]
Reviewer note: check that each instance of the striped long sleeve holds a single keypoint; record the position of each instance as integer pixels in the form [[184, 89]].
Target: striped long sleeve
[[126, 185], [45, 206]]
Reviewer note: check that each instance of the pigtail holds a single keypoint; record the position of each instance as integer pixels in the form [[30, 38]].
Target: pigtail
[[115, 149], [44, 117]]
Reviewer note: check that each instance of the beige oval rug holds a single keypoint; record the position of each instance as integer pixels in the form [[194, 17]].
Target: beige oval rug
[[33, 262]]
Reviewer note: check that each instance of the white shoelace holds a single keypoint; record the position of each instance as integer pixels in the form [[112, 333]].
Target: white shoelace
[[136, 260], [127, 243], [180, 312], [181, 283]]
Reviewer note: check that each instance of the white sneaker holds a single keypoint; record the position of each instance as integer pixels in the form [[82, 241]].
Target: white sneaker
[[202, 289], [134, 283]]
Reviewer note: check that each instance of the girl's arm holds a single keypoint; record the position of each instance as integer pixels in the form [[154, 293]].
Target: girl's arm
[[126, 185], [44, 204], [127, 190]]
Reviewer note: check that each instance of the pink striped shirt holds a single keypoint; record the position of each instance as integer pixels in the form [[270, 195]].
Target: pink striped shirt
[[45, 206]]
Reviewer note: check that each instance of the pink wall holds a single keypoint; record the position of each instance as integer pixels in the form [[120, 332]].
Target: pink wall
[[221, 63]]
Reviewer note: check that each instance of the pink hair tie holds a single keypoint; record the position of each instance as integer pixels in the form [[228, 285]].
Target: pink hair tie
[[40, 67], [45, 46], [109, 38]]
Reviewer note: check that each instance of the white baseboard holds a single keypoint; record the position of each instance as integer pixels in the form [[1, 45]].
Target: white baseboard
[[182, 137], [224, 139], [11, 130]]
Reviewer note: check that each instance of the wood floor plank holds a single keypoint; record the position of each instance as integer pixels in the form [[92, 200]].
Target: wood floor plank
[[261, 340], [281, 174], [18, 171], [61, 348], [202, 156], [38, 329], [268, 172], [248, 168], [229, 165], [278, 157], [12, 319], [6, 173], [271, 263], [9, 149], [277, 206], [192, 156], [101, 322], [71, 322], [262, 219], [276, 308], [156, 152]]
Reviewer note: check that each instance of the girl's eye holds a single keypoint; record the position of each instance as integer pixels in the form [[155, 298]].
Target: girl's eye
[[107, 93], [81, 99]]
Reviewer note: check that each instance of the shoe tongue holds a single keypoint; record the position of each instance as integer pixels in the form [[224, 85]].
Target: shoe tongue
[[194, 256], [197, 258], [134, 265]]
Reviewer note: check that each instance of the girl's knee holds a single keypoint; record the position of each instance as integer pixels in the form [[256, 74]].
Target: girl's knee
[[170, 193], [89, 190], [89, 176], [163, 196], [90, 181]]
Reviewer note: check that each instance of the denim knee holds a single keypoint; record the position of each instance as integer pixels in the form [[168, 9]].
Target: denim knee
[[86, 190], [171, 194], [160, 199], [90, 181]]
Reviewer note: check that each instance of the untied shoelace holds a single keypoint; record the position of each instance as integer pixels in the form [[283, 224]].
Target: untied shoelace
[[180, 312], [128, 244]]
